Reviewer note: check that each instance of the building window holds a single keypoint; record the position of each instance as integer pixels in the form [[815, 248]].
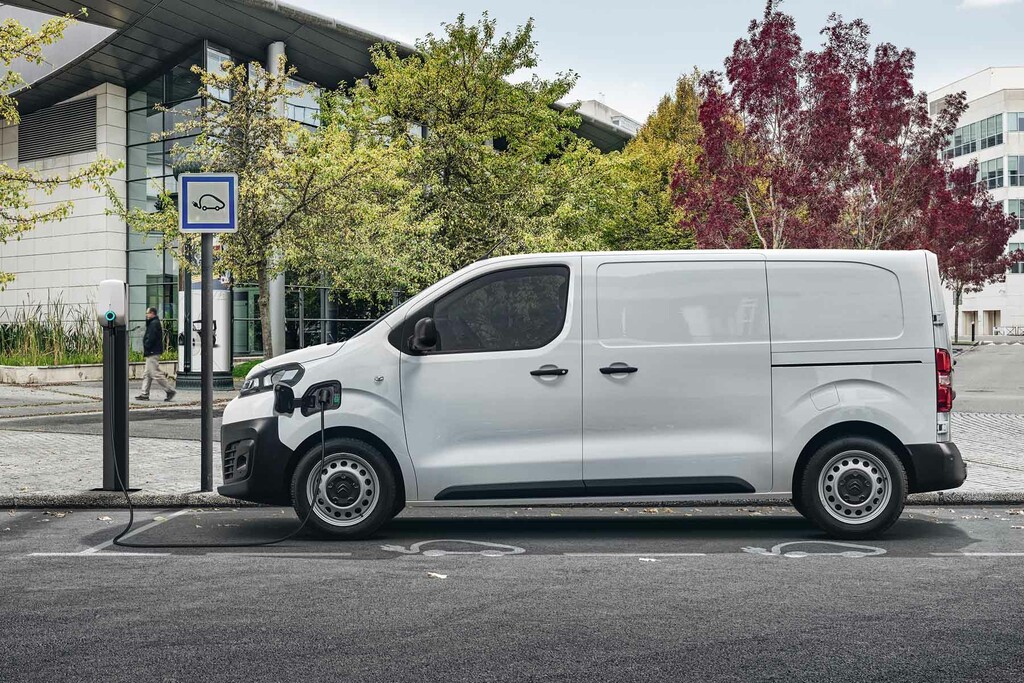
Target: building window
[[975, 136], [1015, 121], [990, 173], [1015, 171], [215, 59], [1015, 207], [1017, 267], [303, 108]]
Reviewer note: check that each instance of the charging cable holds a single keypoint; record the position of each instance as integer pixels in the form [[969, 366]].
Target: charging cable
[[323, 398]]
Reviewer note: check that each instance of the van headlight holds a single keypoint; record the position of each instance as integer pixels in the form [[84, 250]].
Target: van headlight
[[265, 380]]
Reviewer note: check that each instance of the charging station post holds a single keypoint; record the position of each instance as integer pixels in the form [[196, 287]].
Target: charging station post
[[111, 312], [207, 204]]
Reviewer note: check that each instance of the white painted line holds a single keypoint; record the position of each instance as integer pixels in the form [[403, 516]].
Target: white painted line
[[635, 554], [978, 554], [289, 554], [155, 522], [97, 554]]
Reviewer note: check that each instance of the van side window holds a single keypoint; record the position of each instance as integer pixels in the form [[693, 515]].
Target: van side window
[[673, 303], [819, 302], [508, 310]]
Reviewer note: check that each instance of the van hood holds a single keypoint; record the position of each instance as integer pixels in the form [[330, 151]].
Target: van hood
[[310, 353]]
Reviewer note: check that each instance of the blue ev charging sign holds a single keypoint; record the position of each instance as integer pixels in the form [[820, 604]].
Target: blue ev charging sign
[[208, 202]]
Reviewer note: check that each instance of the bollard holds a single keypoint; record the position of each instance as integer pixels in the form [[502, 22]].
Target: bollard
[[112, 312], [972, 332]]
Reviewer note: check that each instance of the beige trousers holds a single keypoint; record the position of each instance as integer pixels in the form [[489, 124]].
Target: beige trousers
[[152, 374]]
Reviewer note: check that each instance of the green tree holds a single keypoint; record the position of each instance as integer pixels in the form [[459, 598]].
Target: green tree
[[293, 182], [487, 176], [17, 185], [642, 214]]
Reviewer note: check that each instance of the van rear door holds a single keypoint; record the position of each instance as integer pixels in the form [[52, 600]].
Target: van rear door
[[676, 374]]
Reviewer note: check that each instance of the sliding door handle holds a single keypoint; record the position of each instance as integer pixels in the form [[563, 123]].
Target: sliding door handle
[[618, 370], [543, 372]]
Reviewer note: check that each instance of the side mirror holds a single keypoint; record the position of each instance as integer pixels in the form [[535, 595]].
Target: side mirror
[[424, 335], [284, 399]]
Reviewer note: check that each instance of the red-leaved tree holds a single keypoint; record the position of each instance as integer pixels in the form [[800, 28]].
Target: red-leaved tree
[[820, 149], [968, 231]]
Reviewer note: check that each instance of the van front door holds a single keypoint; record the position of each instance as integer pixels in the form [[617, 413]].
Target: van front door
[[494, 409], [677, 375]]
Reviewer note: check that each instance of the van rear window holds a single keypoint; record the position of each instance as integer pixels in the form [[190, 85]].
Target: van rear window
[[667, 303], [816, 301]]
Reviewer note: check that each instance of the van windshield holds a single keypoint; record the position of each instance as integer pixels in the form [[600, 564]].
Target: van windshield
[[377, 321]]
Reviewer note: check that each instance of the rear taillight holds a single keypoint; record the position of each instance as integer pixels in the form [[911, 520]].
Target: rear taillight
[[944, 381]]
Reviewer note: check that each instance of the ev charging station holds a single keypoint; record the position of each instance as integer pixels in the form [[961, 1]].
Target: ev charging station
[[207, 204], [112, 314]]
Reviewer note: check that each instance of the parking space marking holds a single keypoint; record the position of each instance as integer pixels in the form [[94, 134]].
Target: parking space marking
[[95, 550], [634, 554], [966, 554], [489, 549]]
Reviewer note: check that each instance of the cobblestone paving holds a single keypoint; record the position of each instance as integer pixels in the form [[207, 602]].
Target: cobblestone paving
[[993, 447], [49, 462]]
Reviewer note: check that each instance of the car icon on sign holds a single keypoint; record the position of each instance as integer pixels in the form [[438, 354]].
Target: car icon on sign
[[208, 203]]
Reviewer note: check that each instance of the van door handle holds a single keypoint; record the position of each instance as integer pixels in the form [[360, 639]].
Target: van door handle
[[618, 370], [542, 372]]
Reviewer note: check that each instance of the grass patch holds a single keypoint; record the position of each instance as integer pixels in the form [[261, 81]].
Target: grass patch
[[242, 369]]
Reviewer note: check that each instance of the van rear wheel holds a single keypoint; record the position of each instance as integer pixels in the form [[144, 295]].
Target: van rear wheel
[[854, 487], [351, 495]]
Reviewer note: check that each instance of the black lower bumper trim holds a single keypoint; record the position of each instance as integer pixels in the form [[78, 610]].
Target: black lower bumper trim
[[937, 466], [662, 486], [268, 462]]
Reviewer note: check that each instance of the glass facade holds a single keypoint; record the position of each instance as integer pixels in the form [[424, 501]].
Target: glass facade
[[975, 136], [990, 173], [1015, 121], [314, 314]]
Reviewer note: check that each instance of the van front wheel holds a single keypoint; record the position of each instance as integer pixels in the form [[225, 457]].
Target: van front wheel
[[853, 488], [352, 495]]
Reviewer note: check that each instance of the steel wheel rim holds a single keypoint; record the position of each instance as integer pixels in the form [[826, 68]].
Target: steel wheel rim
[[854, 487], [344, 491]]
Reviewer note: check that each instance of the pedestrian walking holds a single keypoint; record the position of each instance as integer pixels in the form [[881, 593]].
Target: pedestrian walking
[[152, 347]]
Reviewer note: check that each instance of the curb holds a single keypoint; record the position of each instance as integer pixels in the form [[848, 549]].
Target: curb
[[196, 499], [113, 499]]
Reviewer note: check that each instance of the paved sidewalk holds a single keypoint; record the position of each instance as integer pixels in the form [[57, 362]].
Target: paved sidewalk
[[46, 466], [81, 397]]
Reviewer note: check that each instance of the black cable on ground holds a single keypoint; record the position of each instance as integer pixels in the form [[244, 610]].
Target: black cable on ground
[[322, 400]]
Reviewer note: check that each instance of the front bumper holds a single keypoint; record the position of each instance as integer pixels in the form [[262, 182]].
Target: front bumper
[[937, 466], [264, 477]]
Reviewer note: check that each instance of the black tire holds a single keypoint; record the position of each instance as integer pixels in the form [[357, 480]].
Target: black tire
[[844, 517], [798, 503], [349, 463]]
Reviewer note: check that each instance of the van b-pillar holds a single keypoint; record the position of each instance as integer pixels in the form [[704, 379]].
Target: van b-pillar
[[112, 313]]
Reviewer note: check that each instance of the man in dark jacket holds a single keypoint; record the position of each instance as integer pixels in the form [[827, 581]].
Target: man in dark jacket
[[152, 347]]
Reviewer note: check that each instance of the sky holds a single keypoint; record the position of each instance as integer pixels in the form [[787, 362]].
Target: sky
[[628, 53]]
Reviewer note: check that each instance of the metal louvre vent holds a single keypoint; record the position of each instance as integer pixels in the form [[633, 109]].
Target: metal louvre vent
[[66, 128]]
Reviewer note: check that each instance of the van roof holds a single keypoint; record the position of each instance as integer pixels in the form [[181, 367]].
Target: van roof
[[862, 255]]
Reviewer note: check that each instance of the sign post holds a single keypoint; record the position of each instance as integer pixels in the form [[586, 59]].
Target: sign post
[[207, 204]]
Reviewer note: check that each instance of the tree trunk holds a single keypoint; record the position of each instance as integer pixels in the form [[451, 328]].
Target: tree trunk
[[263, 280], [957, 293]]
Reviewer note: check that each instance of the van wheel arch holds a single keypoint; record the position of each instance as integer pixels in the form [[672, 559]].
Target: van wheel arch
[[362, 435], [852, 428]]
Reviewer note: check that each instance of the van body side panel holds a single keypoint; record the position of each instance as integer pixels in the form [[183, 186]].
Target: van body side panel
[[366, 404], [852, 340], [697, 411], [479, 424]]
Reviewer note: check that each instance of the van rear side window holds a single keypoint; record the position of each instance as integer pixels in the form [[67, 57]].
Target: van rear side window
[[833, 301], [678, 302]]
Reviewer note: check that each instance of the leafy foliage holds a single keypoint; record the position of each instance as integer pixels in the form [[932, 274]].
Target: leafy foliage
[[17, 185]]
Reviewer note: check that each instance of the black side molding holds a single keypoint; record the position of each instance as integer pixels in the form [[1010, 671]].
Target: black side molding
[[660, 486]]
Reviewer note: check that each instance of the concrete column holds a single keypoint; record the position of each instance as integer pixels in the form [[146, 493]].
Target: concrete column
[[274, 52]]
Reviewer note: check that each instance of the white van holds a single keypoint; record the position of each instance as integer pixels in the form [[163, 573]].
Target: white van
[[820, 376]]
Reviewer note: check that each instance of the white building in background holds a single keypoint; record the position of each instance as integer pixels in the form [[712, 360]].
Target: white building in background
[[599, 111], [992, 133]]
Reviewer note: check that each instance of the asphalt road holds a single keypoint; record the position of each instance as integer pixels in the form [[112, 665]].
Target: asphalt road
[[526, 594], [990, 379]]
